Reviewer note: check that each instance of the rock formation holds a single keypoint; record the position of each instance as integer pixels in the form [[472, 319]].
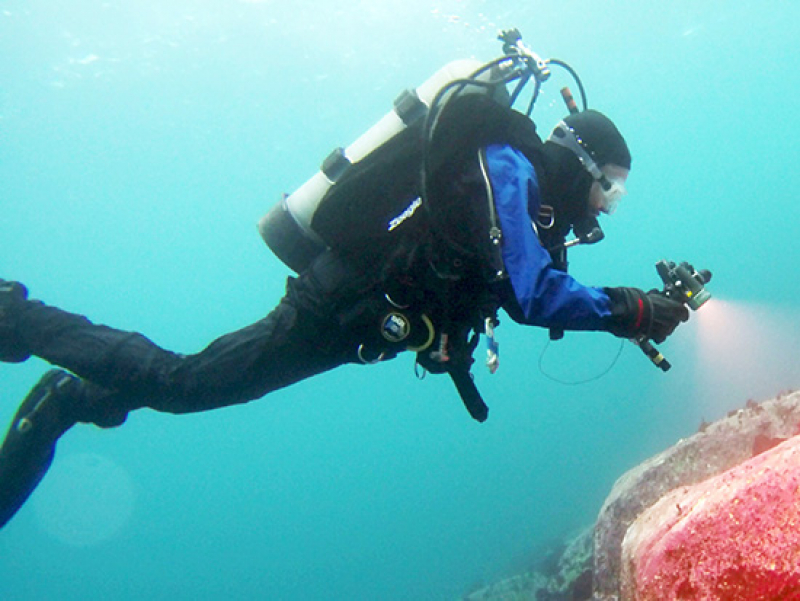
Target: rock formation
[[734, 536], [738, 478], [568, 577], [717, 448]]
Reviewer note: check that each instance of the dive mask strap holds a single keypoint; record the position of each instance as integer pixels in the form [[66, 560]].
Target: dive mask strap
[[566, 137]]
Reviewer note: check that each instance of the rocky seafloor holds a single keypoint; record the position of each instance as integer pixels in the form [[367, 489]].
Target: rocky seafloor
[[715, 516]]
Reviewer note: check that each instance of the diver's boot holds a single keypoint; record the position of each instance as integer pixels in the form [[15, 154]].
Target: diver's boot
[[27, 451], [12, 296]]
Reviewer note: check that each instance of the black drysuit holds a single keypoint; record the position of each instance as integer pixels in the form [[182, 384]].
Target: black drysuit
[[329, 316], [123, 371]]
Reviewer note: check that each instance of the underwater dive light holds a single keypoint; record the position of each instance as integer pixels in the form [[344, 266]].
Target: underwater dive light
[[684, 284]]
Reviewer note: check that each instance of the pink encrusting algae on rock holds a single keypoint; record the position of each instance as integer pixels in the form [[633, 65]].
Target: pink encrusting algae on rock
[[735, 536]]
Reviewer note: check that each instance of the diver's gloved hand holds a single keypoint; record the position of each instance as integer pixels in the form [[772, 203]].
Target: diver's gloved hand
[[636, 313]]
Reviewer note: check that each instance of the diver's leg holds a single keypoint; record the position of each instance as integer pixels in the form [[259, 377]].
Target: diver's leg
[[12, 296], [274, 352], [29, 445], [288, 345], [51, 408], [298, 339], [57, 402], [121, 371]]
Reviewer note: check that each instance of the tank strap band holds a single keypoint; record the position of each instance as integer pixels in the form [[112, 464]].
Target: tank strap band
[[409, 107], [335, 164]]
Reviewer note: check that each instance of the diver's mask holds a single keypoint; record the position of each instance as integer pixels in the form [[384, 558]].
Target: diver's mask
[[611, 188], [611, 178]]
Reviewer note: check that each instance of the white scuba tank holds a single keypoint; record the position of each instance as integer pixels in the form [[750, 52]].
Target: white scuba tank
[[286, 228]]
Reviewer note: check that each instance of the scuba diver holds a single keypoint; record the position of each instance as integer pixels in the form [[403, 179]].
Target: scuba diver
[[411, 239]]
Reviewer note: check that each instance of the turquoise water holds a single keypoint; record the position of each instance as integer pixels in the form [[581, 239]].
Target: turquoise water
[[140, 142]]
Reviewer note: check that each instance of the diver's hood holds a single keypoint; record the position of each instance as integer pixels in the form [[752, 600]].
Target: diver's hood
[[565, 186]]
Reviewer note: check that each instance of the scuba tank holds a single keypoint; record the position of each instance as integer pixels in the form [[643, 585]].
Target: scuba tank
[[287, 228]]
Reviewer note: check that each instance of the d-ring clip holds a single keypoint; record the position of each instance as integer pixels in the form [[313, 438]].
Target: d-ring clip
[[369, 361]]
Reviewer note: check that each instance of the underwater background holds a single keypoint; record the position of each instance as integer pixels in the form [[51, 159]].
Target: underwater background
[[140, 142]]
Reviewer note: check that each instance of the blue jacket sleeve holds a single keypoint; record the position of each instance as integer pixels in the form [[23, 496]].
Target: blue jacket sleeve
[[548, 297]]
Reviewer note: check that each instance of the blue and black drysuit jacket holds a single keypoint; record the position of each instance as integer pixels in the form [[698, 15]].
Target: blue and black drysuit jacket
[[546, 296]]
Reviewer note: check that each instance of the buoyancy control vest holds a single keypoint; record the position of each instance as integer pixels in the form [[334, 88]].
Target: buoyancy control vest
[[439, 260], [417, 210]]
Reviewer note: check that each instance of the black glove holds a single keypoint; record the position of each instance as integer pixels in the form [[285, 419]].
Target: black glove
[[652, 315]]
